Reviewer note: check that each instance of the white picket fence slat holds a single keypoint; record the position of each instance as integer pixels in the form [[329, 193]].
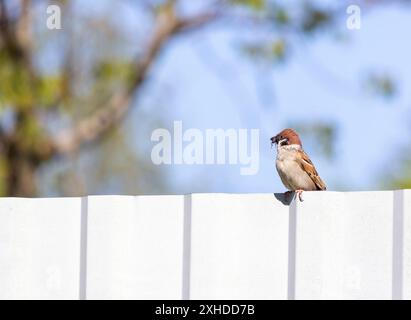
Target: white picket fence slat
[[135, 247], [239, 246], [405, 246], [334, 245], [39, 248]]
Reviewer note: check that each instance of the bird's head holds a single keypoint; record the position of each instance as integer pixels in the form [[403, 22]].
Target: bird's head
[[286, 137]]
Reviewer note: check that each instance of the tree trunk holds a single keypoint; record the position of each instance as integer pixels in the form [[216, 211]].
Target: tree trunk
[[20, 175]]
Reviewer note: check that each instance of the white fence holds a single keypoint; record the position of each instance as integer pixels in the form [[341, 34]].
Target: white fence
[[351, 245]]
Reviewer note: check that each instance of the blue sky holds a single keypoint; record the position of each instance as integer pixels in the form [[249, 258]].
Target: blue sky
[[213, 86]]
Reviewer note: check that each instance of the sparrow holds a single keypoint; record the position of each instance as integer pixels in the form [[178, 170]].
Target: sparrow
[[294, 167]]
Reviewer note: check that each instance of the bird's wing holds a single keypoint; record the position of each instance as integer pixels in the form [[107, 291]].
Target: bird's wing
[[306, 164]]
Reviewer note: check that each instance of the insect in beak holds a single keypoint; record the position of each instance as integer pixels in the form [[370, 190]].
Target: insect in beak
[[273, 140]]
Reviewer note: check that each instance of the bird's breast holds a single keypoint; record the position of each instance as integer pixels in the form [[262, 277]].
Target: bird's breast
[[291, 173]]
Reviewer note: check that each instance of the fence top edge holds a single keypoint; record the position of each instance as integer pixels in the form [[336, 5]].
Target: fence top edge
[[197, 194]]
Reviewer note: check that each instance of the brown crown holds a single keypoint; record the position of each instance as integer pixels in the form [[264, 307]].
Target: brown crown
[[291, 135]]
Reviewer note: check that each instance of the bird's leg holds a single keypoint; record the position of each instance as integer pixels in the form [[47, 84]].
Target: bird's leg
[[299, 193]]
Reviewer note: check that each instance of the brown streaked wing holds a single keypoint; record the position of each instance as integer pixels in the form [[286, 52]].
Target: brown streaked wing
[[308, 167]]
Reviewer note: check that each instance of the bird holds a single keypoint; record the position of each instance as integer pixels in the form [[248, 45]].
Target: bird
[[296, 170]]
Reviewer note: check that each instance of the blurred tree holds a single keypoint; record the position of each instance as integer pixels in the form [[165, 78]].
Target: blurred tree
[[399, 177], [88, 95], [320, 136], [89, 82]]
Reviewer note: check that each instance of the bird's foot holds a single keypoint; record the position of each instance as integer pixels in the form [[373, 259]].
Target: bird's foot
[[299, 193]]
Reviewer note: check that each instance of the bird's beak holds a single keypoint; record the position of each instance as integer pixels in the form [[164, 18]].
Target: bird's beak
[[273, 140]]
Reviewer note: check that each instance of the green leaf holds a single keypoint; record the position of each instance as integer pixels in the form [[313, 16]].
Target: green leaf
[[314, 18], [279, 49], [253, 4], [273, 52], [49, 89], [381, 84], [281, 16], [115, 70]]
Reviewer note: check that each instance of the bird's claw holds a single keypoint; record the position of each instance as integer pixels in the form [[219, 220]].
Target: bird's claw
[[299, 193]]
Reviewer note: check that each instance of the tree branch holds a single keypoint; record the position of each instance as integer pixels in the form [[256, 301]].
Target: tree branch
[[95, 126], [17, 40]]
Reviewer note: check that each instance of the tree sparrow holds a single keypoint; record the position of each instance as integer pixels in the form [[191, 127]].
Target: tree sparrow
[[295, 168]]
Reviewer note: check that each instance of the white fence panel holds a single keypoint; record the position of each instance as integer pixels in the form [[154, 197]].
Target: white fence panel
[[344, 246], [40, 248], [239, 247], [134, 247], [406, 262]]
